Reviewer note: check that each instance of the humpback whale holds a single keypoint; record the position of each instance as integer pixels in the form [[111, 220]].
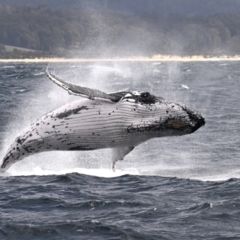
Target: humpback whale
[[120, 121]]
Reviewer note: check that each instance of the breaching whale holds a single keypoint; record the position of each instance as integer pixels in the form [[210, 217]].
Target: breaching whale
[[119, 121]]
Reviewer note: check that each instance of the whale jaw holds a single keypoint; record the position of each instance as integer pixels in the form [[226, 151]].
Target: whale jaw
[[197, 120]]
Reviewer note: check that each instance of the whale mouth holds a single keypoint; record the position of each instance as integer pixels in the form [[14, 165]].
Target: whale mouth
[[196, 118], [200, 122]]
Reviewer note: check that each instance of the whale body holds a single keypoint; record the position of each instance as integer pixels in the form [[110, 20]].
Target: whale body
[[119, 121]]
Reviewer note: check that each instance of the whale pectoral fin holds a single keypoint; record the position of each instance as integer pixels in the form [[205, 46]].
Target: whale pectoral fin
[[82, 91], [119, 154]]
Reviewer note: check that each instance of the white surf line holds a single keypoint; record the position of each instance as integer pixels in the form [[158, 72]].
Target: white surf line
[[130, 59]]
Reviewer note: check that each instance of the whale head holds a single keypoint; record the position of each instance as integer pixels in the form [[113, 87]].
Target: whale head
[[162, 117]]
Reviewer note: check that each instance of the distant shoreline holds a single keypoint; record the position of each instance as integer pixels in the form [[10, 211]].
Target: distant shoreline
[[155, 58]]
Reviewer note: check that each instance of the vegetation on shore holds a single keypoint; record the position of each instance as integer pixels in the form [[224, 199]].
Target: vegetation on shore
[[13, 52], [85, 33]]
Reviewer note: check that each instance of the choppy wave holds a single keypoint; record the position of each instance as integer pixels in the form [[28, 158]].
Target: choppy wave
[[77, 206]]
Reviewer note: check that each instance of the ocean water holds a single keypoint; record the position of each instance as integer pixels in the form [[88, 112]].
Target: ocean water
[[168, 188]]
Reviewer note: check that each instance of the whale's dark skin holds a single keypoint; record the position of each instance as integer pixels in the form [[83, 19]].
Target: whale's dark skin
[[119, 121]]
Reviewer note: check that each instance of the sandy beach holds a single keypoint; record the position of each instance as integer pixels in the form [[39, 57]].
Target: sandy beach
[[155, 58]]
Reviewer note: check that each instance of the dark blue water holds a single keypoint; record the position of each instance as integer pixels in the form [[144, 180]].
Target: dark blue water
[[172, 188]]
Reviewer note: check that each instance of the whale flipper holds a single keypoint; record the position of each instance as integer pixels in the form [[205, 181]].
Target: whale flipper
[[83, 91], [119, 153]]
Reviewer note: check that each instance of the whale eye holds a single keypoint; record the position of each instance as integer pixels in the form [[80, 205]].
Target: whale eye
[[145, 95], [147, 98]]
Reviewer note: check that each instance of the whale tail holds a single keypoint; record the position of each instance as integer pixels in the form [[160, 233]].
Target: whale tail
[[14, 154], [8, 161], [22, 147]]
